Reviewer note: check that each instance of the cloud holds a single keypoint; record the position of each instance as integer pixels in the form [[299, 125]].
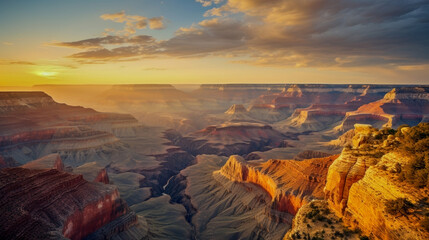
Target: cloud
[[209, 37], [316, 32], [7, 43], [207, 3], [133, 22], [285, 33], [107, 40], [156, 23], [15, 62], [214, 36]]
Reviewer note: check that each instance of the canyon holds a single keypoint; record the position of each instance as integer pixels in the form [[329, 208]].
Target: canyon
[[227, 161]]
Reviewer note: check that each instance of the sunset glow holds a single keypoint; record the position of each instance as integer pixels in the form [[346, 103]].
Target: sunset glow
[[212, 42]]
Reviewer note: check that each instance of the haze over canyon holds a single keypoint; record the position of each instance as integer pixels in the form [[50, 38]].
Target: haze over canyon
[[225, 161]]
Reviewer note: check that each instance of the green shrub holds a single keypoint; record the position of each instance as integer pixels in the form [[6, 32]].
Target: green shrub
[[398, 206], [338, 234], [296, 235], [415, 143], [425, 223], [397, 168]]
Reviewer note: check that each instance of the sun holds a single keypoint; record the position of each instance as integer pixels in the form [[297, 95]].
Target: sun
[[46, 74]]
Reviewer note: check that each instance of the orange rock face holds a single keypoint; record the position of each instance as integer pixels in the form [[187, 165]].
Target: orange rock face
[[359, 183], [290, 183], [349, 168]]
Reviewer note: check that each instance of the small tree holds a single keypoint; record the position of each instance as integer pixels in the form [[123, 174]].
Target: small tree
[[398, 206]]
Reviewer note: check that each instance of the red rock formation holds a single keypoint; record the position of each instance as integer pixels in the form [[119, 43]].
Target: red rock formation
[[406, 105], [92, 172], [231, 138], [93, 216], [290, 183], [304, 95], [102, 177], [33, 121], [37, 204]]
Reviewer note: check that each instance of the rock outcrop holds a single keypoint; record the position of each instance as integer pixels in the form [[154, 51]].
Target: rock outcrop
[[236, 108], [367, 198], [49, 204], [405, 105], [344, 140], [92, 172], [34, 125], [238, 113], [16, 101], [229, 139], [219, 208], [316, 221], [349, 168], [290, 184], [304, 95], [365, 177], [315, 118], [51, 161]]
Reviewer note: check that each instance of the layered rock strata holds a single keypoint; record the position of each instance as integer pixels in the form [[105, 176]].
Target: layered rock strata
[[49, 204], [228, 139], [34, 125], [405, 105], [219, 208], [364, 178], [290, 184]]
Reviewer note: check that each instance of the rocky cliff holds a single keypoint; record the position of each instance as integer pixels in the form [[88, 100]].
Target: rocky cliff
[[219, 208], [49, 204], [404, 105], [313, 118], [365, 178], [290, 184], [34, 125], [349, 168], [316, 221], [14, 101]]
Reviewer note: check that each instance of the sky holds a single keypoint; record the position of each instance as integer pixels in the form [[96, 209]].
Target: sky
[[213, 41]]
